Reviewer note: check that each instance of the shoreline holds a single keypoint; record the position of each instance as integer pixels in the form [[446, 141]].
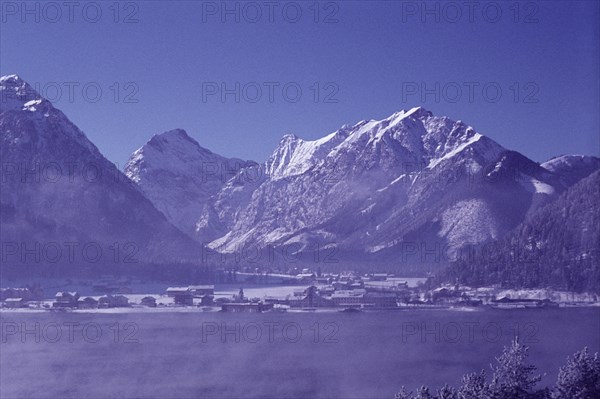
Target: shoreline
[[216, 309]]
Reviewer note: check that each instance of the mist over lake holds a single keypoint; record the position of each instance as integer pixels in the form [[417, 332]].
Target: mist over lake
[[224, 355]]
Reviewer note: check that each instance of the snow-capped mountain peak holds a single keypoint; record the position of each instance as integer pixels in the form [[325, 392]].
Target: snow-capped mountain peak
[[368, 187], [376, 183], [17, 94], [294, 155], [84, 198], [179, 175], [176, 152], [176, 144], [176, 134]]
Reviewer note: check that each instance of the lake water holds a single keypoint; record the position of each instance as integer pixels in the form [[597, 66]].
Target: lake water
[[272, 355]]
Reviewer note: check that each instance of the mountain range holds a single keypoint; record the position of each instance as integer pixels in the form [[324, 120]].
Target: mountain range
[[409, 191], [399, 188]]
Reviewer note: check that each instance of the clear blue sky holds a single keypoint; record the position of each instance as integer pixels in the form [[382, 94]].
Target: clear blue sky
[[373, 53]]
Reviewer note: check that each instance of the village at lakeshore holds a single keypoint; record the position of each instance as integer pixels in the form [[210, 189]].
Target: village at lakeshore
[[256, 293]]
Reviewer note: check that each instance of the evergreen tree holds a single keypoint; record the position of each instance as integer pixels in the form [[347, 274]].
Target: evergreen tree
[[474, 386], [579, 378], [447, 392], [403, 394], [423, 393], [513, 378]]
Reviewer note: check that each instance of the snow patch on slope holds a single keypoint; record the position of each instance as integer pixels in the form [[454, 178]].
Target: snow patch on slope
[[295, 156], [566, 161], [535, 186], [468, 222], [457, 150]]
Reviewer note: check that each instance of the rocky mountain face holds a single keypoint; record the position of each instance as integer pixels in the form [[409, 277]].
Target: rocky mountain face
[[179, 176], [410, 184], [62, 202]]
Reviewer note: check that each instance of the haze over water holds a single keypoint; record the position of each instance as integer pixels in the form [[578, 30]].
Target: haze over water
[[366, 355]]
